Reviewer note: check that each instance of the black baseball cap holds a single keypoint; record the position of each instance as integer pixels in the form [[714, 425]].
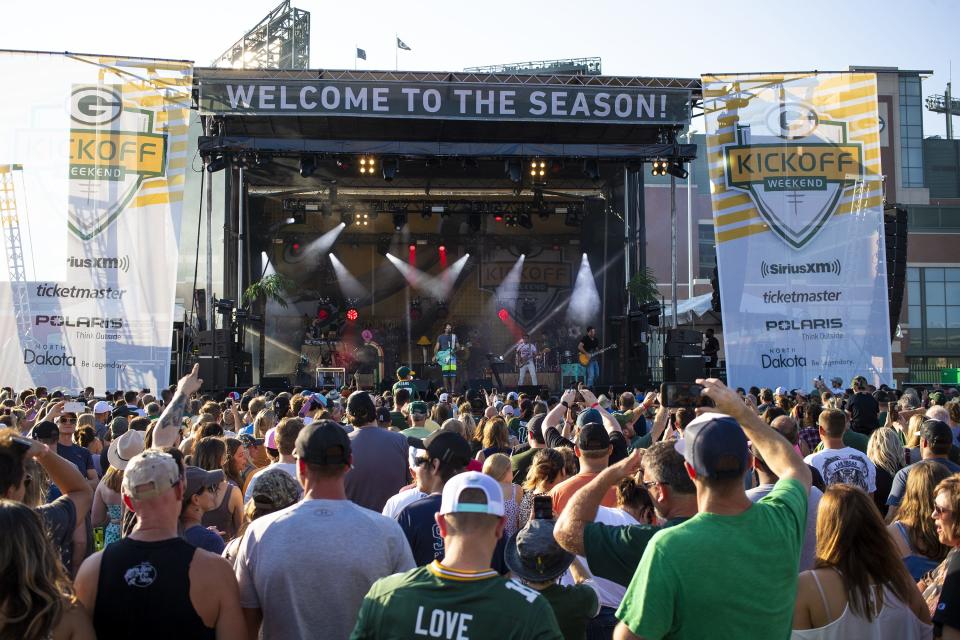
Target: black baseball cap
[[593, 437], [248, 440], [383, 414], [45, 430], [323, 442], [535, 426], [448, 447], [936, 432]]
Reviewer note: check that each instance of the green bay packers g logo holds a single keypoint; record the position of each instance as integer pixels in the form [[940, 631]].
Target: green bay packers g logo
[[113, 149], [795, 170]]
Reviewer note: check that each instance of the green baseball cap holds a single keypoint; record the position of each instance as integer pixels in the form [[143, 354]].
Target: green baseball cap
[[403, 372], [419, 406]]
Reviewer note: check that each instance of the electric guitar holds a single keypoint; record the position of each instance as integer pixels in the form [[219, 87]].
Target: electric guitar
[[586, 357], [446, 357], [522, 362]]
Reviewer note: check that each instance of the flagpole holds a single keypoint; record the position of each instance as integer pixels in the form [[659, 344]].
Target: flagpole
[[355, 56], [396, 52]]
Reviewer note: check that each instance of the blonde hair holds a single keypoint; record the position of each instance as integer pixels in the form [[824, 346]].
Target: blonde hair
[[466, 417], [913, 431], [885, 450], [86, 420], [264, 421], [495, 434], [496, 466], [545, 469]]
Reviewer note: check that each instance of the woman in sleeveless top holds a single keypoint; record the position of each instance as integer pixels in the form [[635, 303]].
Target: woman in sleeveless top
[[496, 439], [546, 471], [107, 505], [210, 454], [498, 467], [914, 532], [36, 595], [858, 588]]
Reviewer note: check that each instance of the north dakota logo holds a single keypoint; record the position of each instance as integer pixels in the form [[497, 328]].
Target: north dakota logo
[[797, 176], [113, 149]]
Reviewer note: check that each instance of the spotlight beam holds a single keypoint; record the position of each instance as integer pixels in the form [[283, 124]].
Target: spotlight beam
[[510, 285], [322, 244], [436, 286], [585, 299], [349, 285]]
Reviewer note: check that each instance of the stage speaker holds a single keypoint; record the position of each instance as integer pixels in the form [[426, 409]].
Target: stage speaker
[[243, 365], [682, 349], [895, 230], [214, 371], [533, 390], [684, 336], [680, 369], [277, 384]]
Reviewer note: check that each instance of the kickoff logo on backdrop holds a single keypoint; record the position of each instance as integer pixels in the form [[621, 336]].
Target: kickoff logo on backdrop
[[797, 198]]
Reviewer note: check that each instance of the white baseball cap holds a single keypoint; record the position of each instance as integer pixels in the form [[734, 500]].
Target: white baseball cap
[[507, 410], [444, 397], [450, 501], [150, 474], [103, 407], [780, 391]]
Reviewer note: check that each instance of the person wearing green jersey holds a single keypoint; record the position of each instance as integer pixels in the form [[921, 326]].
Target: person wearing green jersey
[[461, 598], [405, 381]]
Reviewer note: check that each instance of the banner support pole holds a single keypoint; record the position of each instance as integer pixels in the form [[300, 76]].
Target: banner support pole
[[673, 251]]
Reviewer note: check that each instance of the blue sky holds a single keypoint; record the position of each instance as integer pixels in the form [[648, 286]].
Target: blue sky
[[633, 38]]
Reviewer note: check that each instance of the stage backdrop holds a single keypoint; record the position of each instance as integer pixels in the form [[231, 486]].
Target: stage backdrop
[[798, 215], [92, 158]]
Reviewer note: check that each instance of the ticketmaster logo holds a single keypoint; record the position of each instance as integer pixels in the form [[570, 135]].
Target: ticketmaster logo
[[776, 269]]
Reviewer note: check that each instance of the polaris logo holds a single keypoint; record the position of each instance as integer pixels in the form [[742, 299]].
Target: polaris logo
[[82, 322], [804, 325], [782, 362], [776, 269]]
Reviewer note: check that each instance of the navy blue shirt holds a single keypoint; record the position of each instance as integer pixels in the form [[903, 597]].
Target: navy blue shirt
[[202, 538], [423, 533], [79, 456]]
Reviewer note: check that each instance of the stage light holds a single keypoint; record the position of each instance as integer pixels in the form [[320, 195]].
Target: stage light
[[364, 219], [346, 218], [658, 167], [399, 220], [323, 315], [415, 309], [441, 311], [308, 164], [498, 217], [426, 213], [538, 169], [503, 314], [390, 168], [442, 249], [591, 169], [525, 221], [217, 164], [514, 170], [367, 164], [413, 248], [325, 209], [352, 315], [676, 170], [291, 220]]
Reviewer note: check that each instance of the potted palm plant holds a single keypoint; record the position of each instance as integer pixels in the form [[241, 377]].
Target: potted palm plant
[[268, 288]]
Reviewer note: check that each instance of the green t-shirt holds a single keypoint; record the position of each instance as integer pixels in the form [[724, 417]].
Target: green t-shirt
[[614, 552], [722, 577], [850, 439], [409, 385], [573, 605], [438, 602], [520, 464], [640, 442]]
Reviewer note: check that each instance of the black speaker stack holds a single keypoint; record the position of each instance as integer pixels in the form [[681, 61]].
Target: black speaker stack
[[895, 230], [683, 356]]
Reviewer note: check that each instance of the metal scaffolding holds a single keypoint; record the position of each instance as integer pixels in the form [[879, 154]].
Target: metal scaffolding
[[572, 66], [280, 41]]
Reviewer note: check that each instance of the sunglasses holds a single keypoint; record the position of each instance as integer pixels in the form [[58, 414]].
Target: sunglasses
[[651, 485], [69, 420], [210, 489], [419, 461], [939, 511]]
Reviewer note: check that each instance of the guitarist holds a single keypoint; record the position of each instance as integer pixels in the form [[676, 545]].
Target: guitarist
[[445, 354], [526, 352], [588, 344]]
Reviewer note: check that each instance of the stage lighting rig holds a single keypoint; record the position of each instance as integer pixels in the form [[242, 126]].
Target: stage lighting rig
[[514, 170], [219, 163], [538, 170], [658, 167], [390, 168], [572, 218], [525, 221], [399, 220], [591, 169], [308, 164], [363, 219], [367, 164], [347, 218], [426, 213]]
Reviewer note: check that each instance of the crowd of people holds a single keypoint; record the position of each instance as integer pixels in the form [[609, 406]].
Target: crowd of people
[[831, 512]]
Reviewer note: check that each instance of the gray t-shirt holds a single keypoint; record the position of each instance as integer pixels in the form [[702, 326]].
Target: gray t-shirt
[[60, 516], [308, 567], [846, 465], [808, 550], [379, 467]]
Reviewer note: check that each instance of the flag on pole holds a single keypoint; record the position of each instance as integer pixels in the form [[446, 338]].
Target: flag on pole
[[361, 54], [402, 45]]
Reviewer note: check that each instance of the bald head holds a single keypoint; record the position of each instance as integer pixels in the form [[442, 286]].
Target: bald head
[[787, 427]]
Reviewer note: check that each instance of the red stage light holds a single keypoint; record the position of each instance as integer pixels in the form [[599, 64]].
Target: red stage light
[[413, 248], [323, 314], [498, 218], [442, 249], [296, 246], [503, 314], [352, 315]]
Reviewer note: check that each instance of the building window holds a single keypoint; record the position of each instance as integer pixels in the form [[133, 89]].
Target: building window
[[707, 250], [933, 308], [911, 132]]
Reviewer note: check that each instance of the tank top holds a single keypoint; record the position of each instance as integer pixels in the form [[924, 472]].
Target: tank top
[[916, 563], [144, 592], [511, 511], [895, 622], [220, 517]]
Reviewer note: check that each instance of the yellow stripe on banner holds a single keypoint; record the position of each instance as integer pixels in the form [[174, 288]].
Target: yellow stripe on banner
[[733, 201], [843, 80], [843, 113], [741, 232], [858, 205], [871, 154], [178, 146], [157, 198], [734, 218], [177, 163], [178, 130], [844, 96], [724, 138], [163, 183]]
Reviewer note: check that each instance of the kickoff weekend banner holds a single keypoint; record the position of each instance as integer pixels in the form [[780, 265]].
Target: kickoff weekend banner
[[797, 196], [93, 152]]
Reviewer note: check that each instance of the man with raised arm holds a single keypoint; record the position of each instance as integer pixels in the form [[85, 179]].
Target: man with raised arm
[[168, 424], [731, 570]]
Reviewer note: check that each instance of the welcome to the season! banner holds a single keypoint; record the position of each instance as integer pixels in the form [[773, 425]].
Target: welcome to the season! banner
[[798, 216], [93, 152]]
